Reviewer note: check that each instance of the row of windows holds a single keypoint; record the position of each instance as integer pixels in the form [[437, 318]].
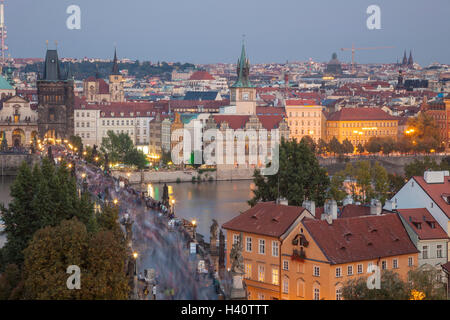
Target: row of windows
[[371, 133], [439, 252], [308, 114], [261, 245], [303, 123], [83, 124], [362, 124], [82, 114]]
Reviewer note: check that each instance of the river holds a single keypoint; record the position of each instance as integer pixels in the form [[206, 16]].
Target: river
[[221, 200]]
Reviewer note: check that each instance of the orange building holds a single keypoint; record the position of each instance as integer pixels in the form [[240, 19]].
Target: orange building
[[289, 254], [358, 125], [305, 118]]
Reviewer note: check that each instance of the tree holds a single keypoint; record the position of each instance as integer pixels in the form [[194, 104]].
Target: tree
[[335, 146], [100, 256], [347, 146], [309, 142], [360, 148], [322, 147], [391, 288], [387, 145], [337, 191], [364, 180], [427, 281], [120, 148], [373, 145], [9, 280], [299, 177], [418, 167], [425, 134], [396, 182], [380, 182]]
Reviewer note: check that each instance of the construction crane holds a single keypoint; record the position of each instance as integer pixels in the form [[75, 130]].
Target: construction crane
[[353, 49]]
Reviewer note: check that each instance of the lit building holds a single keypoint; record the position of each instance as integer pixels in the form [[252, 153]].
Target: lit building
[[305, 118], [439, 111], [358, 125], [291, 255], [18, 120]]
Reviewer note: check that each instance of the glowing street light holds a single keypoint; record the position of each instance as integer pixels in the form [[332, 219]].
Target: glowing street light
[[115, 201], [135, 255], [96, 159], [83, 175]]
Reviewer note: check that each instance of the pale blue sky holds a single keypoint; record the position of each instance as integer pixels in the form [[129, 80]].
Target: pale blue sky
[[209, 31]]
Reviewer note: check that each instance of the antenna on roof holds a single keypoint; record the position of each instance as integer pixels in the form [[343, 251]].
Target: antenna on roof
[[46, 43]]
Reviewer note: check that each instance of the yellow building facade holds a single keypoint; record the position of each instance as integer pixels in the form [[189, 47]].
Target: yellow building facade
[[305, 119]]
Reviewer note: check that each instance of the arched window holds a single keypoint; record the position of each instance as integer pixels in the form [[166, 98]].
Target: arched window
[[316, 291], [339, 291], [300, 288]]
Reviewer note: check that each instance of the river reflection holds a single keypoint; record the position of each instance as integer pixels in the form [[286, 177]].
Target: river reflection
[[221, 200]]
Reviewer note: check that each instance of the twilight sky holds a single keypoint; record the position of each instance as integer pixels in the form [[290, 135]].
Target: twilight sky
[[209, 31]]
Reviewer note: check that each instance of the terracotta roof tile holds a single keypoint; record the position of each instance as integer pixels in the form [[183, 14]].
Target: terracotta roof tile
[[201, 75], [360, 238], [265, 218], [360, 114], [436, 191], [421, 215]]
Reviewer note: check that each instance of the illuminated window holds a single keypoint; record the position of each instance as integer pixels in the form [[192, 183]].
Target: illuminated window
[[275, 276], [248, 270], [261, 271]]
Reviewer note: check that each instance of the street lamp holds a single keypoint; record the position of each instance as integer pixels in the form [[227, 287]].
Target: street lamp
[[135, 256], [115, 201], [83, 175], [194, 224]]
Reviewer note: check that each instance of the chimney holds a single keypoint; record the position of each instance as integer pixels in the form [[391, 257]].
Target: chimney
[[434, 176], [375, 207], [390, 205], [310, 206], [331, 208], [348, 200], [282, 201]]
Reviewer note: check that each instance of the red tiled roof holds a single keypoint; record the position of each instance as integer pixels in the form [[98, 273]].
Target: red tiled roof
[[201, 75], [360, 114], [265, 218], [270, 111], [436, 191], [424, 217], [301, 102], [360, 238], [196, 103], [446, 267], [103, 87], [270, 122], [234, 121]]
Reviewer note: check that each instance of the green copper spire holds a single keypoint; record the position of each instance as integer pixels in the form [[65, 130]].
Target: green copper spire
[[243, 70]]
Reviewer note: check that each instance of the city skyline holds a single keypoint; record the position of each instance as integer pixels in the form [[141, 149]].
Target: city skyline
[[204, 33]]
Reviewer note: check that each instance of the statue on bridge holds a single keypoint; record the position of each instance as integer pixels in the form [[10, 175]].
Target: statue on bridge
[[236, 258], [165, 196]]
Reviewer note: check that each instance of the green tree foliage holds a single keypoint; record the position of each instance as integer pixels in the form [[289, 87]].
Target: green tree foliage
[[360, 148], [347, 146], [366, 181], [322, 147], [310, 143], [101, 257], [120, 148], [396, 182], [42, 197], [335, 146], [337, 191], [299, 177], [391, 288], [373, 145], [426, 135], [418, 167], [9, 280]]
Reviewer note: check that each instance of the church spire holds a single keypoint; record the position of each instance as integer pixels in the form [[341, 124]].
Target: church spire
[[405, 60], [410, 60], [115, 68], [243, 70]]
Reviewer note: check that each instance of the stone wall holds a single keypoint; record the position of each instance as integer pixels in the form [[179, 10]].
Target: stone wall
[[10, 163]]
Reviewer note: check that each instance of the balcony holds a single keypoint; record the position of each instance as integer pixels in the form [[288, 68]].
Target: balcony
[[298, 255]]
